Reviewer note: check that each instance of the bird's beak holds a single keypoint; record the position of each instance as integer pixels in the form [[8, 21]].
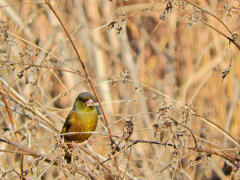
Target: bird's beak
[[90, 103]]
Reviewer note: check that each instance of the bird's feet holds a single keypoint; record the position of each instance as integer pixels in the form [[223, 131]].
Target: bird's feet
[[74, 145], [90, 142]]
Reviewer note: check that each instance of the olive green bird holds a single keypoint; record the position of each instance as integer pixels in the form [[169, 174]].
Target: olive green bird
[[82, 118]]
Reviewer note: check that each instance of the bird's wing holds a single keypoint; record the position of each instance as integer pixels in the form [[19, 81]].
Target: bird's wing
[[67, 125]]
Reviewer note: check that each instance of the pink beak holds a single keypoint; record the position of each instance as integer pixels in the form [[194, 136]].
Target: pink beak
[[90, 103]]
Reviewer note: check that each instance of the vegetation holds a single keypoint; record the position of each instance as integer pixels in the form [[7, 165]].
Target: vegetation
[[165, 73]]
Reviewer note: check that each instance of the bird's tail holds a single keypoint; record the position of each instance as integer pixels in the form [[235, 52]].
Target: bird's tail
[[68, 157]]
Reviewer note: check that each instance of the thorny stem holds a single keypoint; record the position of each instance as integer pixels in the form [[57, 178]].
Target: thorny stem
[[87, 77]]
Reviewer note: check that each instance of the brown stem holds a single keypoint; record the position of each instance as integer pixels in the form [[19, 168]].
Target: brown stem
[[195, 141], [96, 158], [53, 68], [209, 151], [204, 22], [9, 111], [218, 128], [28, 151], [87, 76], [194, 5], [205, 150], [10, 115], [26, 106]]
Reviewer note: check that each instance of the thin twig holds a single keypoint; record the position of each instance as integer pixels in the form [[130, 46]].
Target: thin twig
[[86, 73], [9, 111], [207, 12], [219, 129], [53, 68], [196, 145], [27, 151], [230, 159], [212, 27]]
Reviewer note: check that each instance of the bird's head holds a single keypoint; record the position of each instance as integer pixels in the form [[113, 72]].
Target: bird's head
[[84, 100]]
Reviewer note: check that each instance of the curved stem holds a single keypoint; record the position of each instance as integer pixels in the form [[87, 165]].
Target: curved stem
[[214, 16], [87, 76], [194, 5]]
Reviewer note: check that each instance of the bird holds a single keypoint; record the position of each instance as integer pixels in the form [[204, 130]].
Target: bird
[[82, 118]]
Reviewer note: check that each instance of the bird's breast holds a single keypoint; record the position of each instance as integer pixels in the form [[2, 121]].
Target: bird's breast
[[84, 121]]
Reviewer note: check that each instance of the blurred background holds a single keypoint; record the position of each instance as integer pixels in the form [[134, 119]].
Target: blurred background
[[149, 60]]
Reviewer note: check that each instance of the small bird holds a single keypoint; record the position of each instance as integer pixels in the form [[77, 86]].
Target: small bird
[[82, 118]]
